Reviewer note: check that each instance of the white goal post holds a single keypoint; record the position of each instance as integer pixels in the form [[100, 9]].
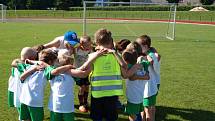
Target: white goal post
[[3, 10], [113, 14]]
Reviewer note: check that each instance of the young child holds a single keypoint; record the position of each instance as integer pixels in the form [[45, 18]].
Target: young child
[[32, 94], [151, 87], [69, 41], [81, 56], [106, 81], [121, 45], [134, 87], [61, 101], [20, 66], [11, 88]]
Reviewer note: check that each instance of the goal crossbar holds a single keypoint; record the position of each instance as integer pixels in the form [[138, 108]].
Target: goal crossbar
[[170, 34]]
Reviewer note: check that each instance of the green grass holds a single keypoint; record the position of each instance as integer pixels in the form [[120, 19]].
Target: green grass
[[187, 65], [161, 15]]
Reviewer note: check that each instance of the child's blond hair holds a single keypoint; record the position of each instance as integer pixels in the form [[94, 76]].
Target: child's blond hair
[[64, 57], [87, 38], [28, 53]]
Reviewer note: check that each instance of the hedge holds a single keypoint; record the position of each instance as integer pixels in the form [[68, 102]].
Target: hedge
[[141, 8]]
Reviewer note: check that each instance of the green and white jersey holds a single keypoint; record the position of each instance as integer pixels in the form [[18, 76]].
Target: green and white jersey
[[11, 81], [21, 67], [33, 89], [61, 99], [150, 88], [156, 66], [135, 88]]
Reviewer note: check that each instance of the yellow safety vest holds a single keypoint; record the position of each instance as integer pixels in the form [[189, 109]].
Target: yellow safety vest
[[106, 77]]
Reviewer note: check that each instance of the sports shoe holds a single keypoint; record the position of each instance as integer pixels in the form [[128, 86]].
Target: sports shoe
[[83, 109]]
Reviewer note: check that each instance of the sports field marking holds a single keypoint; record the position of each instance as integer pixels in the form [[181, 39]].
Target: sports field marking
[[130, 30], [113, 20]]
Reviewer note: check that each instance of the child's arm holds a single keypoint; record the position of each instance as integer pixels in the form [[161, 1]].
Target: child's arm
[[32, 62], [136, 77], [15, 62], [120, 60], [155, 63], [92, 58], [30, 71], [61, 69], [80, 73], [54, 43], [157, 55], [127, 73]]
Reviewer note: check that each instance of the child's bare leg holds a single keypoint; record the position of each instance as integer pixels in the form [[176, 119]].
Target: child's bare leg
[[132, 117], [143, 115], [148, 112], [153, 110], [86, 92], [81, 95]]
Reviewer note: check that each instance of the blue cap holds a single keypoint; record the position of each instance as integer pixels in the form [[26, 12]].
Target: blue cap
[[71, 38]]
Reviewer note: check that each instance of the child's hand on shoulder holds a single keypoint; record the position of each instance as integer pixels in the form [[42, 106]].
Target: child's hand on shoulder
[[101, 51], [149, 59], [39, 67], [71, 66], [137, 66]]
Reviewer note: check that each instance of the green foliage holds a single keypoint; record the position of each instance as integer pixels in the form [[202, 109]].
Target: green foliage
[[3, 2], [39, 4], [63, 4], [207, 2], [141, 8]]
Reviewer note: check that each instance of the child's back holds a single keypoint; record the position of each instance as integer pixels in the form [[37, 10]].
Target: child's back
[[33, 88], [62, 97]]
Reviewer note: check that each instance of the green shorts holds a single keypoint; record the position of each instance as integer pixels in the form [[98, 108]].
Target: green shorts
[[33, 113], [54, 116], [150, 101], [132, 108], [10, 96]]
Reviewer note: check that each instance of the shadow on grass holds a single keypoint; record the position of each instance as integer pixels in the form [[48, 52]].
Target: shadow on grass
[[86, 116], [162, 115], [184, 114]]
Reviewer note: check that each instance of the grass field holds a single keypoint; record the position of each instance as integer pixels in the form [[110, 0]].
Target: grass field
[[187, 91]]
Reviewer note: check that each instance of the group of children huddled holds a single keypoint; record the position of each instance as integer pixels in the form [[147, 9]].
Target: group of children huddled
[[68, 60]]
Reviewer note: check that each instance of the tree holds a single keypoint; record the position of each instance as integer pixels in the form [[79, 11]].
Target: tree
[[39, 4], [3, 2], [207, 2], [172, 1], [63, 4]]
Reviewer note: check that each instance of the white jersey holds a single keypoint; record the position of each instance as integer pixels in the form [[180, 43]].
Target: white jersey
[[151, 85], [81, 57], [156, 67], [135, 89], [61, 99], [12, 81], [33, 89], [17, 88]]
